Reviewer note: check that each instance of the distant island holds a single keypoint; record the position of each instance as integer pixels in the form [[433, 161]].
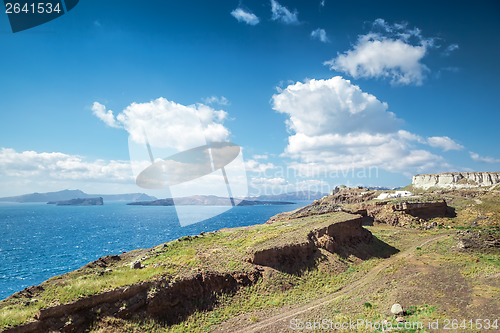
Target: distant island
[[79, 202], [65, 195], [207, 200], [75, 194]]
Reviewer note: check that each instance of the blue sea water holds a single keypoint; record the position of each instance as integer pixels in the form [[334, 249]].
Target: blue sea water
[[38, 241]]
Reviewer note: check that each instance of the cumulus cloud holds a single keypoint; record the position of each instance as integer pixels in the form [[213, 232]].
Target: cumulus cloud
[[216, 100], [263, 185], [255, 166], [107, 117], [268, 181], [483, 159], [283, 14], [320, 34], [34, 166], [444, 143], [405, 135], [243, 15], [167, 124], [322, 107], [389, 51], [336, 126]]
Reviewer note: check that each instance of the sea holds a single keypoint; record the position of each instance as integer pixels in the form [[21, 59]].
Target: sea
[[39, 241]]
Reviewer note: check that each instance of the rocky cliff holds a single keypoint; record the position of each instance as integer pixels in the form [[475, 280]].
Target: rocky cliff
[[456, 180], [406, 211]]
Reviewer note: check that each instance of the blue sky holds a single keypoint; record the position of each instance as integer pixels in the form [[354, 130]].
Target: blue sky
[[313, 91]]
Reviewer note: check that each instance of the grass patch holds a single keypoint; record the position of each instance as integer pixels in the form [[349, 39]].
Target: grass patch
[[14, 315], [270, 294], [86, 285], [472, 264]]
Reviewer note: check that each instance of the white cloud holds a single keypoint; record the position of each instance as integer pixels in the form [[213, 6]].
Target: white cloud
[[171, 125], [279, 185], [263, 185], [484, 159], [281, 13], [108, 118], [216, 100], [336, 126], [319, 107], [33, 166], [269, 181], [312, 185], [390, 51], [320, 34], [405, 135], [444, 143], [255, 166], [245, 16], [450, 48], [260, 157]]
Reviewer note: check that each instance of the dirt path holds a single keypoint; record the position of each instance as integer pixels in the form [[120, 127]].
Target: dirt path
[[292, 313]]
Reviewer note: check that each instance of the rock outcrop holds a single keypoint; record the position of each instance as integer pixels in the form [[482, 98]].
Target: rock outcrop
[[340, 238], [393, 211], [328, 204], [405, 214], [456, 180]]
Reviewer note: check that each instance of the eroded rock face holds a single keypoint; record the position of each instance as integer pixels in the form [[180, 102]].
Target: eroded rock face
[[456, 180], [359, 201], [483, 241], [287, 257], [424, 210], [170, 302], [341, 238], [407, 213]]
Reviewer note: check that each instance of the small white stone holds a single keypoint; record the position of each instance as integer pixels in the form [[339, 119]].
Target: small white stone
[[397, 309]]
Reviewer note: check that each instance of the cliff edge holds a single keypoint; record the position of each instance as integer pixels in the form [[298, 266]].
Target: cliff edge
[[456, 180]]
